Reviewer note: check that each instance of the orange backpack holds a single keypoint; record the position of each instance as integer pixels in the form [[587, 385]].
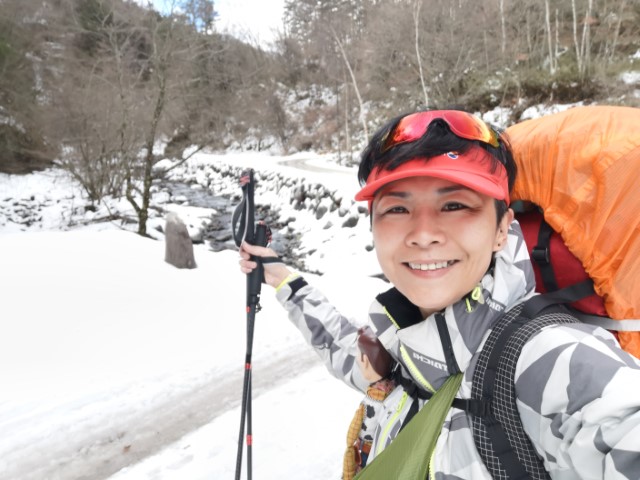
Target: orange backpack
[[582, 167]]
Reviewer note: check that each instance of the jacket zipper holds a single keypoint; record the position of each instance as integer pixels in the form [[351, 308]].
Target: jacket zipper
[[415, 372], [390, 423]]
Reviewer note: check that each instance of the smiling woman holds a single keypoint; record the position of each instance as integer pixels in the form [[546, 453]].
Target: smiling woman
[[438, 187]]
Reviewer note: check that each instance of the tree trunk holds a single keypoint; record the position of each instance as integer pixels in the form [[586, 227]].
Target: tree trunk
[[586, 39], [552, 60], [503, 29], [416, 22], [347, 130], [363, 113], [616, 33], [579, 60], [143, 214]]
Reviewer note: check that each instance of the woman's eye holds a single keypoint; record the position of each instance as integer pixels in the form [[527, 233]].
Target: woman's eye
[[451, 206], [396, 209]]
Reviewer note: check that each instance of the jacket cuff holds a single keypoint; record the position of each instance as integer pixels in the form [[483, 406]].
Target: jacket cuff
[[287, 289]]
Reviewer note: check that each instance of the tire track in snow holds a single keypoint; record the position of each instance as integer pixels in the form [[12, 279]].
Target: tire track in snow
[[126, 438]]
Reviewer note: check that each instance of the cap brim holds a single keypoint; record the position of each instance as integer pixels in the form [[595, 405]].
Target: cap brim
[[472, 169], [477, 183]]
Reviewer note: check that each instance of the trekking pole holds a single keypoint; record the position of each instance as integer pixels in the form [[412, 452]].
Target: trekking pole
[[245, 229]]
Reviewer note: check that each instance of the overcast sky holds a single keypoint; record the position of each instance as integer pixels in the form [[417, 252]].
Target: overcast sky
[[249, 20], [258, 18]]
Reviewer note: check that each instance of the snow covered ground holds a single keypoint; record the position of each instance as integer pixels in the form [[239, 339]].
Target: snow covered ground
[[114, 364]]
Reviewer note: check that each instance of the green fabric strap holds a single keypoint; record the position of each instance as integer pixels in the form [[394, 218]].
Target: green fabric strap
[[408, 455]]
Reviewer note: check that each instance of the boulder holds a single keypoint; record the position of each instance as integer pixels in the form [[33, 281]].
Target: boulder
[[178, 244]]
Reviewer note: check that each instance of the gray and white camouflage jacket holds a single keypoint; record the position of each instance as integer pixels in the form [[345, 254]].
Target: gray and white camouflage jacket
[[577, 392]]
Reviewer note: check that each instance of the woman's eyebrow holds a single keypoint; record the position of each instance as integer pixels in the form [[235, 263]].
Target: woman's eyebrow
[[395, 193], [453, 188], [442, 191]]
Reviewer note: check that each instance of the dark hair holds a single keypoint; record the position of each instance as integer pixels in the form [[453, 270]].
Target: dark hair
[[437, 140]]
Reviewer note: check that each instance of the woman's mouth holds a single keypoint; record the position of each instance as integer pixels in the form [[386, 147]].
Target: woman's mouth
[[431, 266]]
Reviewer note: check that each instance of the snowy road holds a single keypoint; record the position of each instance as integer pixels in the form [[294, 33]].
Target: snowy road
[[130, 435], [127, 368], [311, 165]]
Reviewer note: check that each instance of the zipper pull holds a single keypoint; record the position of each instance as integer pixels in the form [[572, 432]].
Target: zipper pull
[[476, 296]]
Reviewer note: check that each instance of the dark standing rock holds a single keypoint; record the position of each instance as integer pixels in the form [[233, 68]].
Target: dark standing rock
[[178, 245]]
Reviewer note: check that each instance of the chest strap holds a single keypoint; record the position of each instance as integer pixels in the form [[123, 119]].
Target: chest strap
[[477, 407]]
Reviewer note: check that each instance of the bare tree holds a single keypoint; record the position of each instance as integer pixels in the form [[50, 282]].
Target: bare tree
[[582, 45], [97, 97], [113, 83], [124, 71], [503, 29], [24, 75], [354, 83], [547, 23], [416, 21], [616, 34], [328, 33]]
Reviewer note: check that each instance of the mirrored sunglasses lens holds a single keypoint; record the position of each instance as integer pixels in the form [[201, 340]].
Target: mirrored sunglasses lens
[[463, 124]]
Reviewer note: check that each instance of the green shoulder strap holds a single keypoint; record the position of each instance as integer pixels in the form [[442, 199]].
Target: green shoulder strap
[[408, 455]]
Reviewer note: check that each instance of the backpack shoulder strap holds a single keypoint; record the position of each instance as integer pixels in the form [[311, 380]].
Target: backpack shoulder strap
[[541, 254], [564, 296], [499, 435]]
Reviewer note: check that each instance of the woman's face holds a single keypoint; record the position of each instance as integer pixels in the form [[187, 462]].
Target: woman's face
[[435, 239]]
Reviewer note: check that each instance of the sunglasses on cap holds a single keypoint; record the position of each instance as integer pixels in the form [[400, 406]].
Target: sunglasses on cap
[[463, 124]]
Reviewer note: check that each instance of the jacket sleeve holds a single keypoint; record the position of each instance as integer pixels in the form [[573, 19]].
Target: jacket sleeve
[[578, 395], [330, 334]]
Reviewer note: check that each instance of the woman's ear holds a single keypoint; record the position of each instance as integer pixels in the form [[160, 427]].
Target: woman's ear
[[503, 230]]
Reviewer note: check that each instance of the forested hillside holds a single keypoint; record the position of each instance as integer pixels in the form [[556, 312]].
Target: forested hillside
[[98, 85]]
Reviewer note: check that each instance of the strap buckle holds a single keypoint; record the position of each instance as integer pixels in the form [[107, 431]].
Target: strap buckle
[[541, 255], [474, 406]]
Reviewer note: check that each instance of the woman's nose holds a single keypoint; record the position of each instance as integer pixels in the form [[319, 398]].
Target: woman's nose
[[424, 230]]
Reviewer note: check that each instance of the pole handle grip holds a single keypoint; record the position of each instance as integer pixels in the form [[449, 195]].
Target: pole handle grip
[[254, 280]]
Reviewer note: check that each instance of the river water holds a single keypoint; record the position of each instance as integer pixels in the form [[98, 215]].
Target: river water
[[217, 232]]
